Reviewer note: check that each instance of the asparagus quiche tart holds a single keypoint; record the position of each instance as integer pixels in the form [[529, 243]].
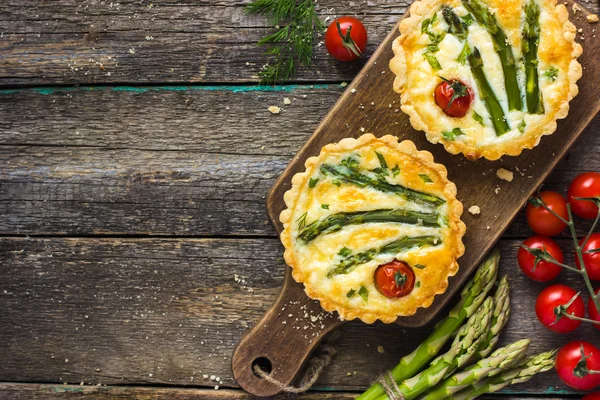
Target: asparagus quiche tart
[[486, 77], [372, 228]]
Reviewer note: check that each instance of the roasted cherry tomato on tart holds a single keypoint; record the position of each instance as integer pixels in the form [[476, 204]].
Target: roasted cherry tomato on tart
[[540, 270], [577, 364], [395, 279], [453, 97], [542, 221], [584, 186], [591, 256], [556, 299], [346, 39]]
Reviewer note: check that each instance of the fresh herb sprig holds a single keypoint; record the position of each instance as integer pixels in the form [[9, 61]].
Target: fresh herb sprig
[[297, 23]]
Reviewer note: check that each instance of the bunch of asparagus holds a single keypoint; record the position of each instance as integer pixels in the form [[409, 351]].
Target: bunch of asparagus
[[470, 367]]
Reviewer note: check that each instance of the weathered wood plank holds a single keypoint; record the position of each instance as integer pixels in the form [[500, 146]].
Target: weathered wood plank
[[14, 391], [127, 311], [168, 161], [98, 41]]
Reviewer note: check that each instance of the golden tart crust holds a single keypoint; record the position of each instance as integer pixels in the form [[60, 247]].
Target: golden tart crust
[[416, 80], [312, 262]]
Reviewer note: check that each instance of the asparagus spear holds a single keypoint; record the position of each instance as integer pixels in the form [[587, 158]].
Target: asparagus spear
[[456, 26], [487, 94], [529, 367], [394, 247], [499, 318], [463, 348], [502, 46], [471, 297], [353, 176], [531, 40], [335, 222], [501, 359]]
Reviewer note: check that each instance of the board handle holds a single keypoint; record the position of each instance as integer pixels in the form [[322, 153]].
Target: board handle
[[282, 342]]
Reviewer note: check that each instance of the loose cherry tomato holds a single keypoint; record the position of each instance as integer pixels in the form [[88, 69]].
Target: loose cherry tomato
[[346, 39], [574, 360], [591, 256], [453, 97], [592, 396], [540, 220], [548, 302], [395, 279], [593, 311], [584, 185], [544, 271]]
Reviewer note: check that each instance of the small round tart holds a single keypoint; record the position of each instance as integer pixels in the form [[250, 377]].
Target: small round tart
[[486, 77], [372, 228]]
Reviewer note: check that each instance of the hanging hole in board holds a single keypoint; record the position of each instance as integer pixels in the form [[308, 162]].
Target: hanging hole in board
[[264, 364]]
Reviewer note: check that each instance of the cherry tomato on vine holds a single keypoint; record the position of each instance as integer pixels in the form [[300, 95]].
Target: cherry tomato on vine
[[540, 220], [453, 97], [550, 300], [346, 39], [574, 361], [544, 271], [592, 396], [395, 279], [593, 311], [591, 256], [584, 185]]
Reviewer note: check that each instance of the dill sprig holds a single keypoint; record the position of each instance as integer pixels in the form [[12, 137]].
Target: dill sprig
[[296, 22]]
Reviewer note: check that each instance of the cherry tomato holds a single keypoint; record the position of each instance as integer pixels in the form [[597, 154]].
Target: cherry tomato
[[453, 97], [592, 259], [555, 296], [584, 185], [540, 220], [593, 311], [395, 279], [544, 271], [346, 39], [592, 396], [572, 368]]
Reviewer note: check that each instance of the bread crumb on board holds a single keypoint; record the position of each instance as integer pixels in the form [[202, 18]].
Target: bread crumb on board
[[592, 18], [380, 349], [287, 101], [274, 109], [504, 174], [475, 210]]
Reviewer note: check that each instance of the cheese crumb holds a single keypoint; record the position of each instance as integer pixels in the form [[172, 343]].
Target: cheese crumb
[[362, 129], [352, 90], [380, 349], [344, 84], [504, 174], [475, 210], [287, 101], [592, 18], [274, 110]]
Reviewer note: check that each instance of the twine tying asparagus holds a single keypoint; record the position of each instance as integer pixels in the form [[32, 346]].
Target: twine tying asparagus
[[316, 365], [390, 386]]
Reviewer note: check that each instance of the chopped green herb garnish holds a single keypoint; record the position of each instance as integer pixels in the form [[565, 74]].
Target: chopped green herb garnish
[[395, 170], [551, 73], [450, 136], [434, 19], [432, 48], [425, 178], [468, 19], [435, 64], [312, 182], [350, 293], [325, 206], [302, 220], [419, 266], [464, 53], [350, 162], [364, 293], [345, 252], [522, 126], [418, 284], [382, 160], [336, 182], [399, 279], [478, 118], [425, 25]]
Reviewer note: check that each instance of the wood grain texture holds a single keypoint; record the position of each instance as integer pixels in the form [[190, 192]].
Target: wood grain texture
[[159, 311], [169, 161], [96, 41], [16, 391]]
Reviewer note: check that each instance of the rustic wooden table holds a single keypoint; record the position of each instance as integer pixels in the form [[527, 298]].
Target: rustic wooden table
[[136, 153]]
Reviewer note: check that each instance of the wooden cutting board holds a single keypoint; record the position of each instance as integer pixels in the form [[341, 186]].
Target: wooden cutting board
[[284, 339]]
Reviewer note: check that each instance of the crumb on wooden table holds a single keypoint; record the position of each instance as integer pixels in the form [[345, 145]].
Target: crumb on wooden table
[[274, 109], [504, 174], [475, 210], [287, 101], [592, 18], [380, 349]]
